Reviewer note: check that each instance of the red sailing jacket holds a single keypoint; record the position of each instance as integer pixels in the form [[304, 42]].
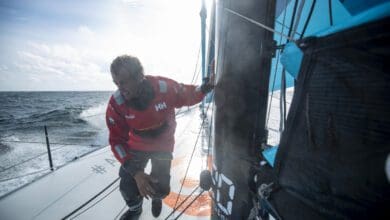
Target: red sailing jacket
[[122, 120]]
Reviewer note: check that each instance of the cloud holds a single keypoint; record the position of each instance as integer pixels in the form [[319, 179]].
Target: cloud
[[86, 32], [76, 54], [63, 66]]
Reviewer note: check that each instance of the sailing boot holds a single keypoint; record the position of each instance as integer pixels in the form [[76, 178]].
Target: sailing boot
[[131, 215], [156, 207]]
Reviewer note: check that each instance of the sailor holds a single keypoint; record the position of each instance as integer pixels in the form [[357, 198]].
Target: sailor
[[141, 121]]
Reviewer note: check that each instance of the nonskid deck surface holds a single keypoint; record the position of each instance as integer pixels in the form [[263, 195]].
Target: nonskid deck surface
[[64, 190]]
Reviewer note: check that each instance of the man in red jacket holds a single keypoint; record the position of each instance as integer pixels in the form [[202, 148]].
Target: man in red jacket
[[141, 121]]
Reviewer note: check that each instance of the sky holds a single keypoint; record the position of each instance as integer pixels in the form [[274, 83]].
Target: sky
[[68, 45]]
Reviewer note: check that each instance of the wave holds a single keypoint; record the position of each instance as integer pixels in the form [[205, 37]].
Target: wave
[[95, 115], [66, 117]]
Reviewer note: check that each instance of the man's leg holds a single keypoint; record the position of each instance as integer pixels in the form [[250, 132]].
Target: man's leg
[[161, 167], [128, 186]]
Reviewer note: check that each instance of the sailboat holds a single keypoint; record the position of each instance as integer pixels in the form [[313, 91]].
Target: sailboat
[[327, 159], [330, 162]]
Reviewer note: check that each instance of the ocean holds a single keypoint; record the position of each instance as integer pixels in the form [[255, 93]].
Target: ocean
[[75, 123]]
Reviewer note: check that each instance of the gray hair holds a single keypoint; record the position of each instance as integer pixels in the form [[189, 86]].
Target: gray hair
[[126, 64]]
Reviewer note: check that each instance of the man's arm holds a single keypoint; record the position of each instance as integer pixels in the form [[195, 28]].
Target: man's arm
[[118, 137], [187, 95], [118, 131]]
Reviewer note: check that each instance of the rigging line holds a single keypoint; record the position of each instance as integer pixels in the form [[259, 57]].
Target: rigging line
[[181, 213], [79, 138], [308, 18], [277, 64], [292, 19], [120, 212], [61, 196], [180, 113], [84, 156], [196, 65], [294, 24], [283, 25], [92, 115], [12, 166], [39, 155], [299, 13], [28, 174], [260, 24], [192, 154], [105, 196], [195, 74], [181, 203], [330, 13], [91, 145], [51, 143], [91, 199]]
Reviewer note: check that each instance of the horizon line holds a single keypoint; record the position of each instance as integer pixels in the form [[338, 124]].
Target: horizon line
[[57, 90]]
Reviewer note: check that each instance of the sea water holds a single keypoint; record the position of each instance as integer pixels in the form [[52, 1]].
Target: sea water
[[75, 123]]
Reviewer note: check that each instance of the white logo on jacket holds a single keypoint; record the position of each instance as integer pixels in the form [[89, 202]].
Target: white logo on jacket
[[160, 106], [129, 116]]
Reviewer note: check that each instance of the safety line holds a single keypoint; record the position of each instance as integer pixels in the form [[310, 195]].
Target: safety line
[[52, 143], [28, 174]]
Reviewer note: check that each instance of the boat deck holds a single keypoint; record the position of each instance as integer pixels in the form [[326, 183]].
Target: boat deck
[[60, 193]]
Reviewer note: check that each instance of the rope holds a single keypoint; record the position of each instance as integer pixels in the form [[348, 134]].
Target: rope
[[12, 166], [330, 13], [292, 18], [181, 213], [89, 116], [91, 199], [61, 196], [195, 75], [174, 210], [51, 143], [96, 202], [181, 187], [296, 22], [277, 64], [196, 67], [260, 24], [283, 25], [28, 174], [188, 166], [120, 212], [35, 157], [308, 18]]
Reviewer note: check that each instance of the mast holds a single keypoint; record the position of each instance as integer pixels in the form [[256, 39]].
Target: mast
[[243, 60], [203, 16]]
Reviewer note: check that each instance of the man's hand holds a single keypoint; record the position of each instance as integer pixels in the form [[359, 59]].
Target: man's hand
[[208, 82], [144, 184]]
